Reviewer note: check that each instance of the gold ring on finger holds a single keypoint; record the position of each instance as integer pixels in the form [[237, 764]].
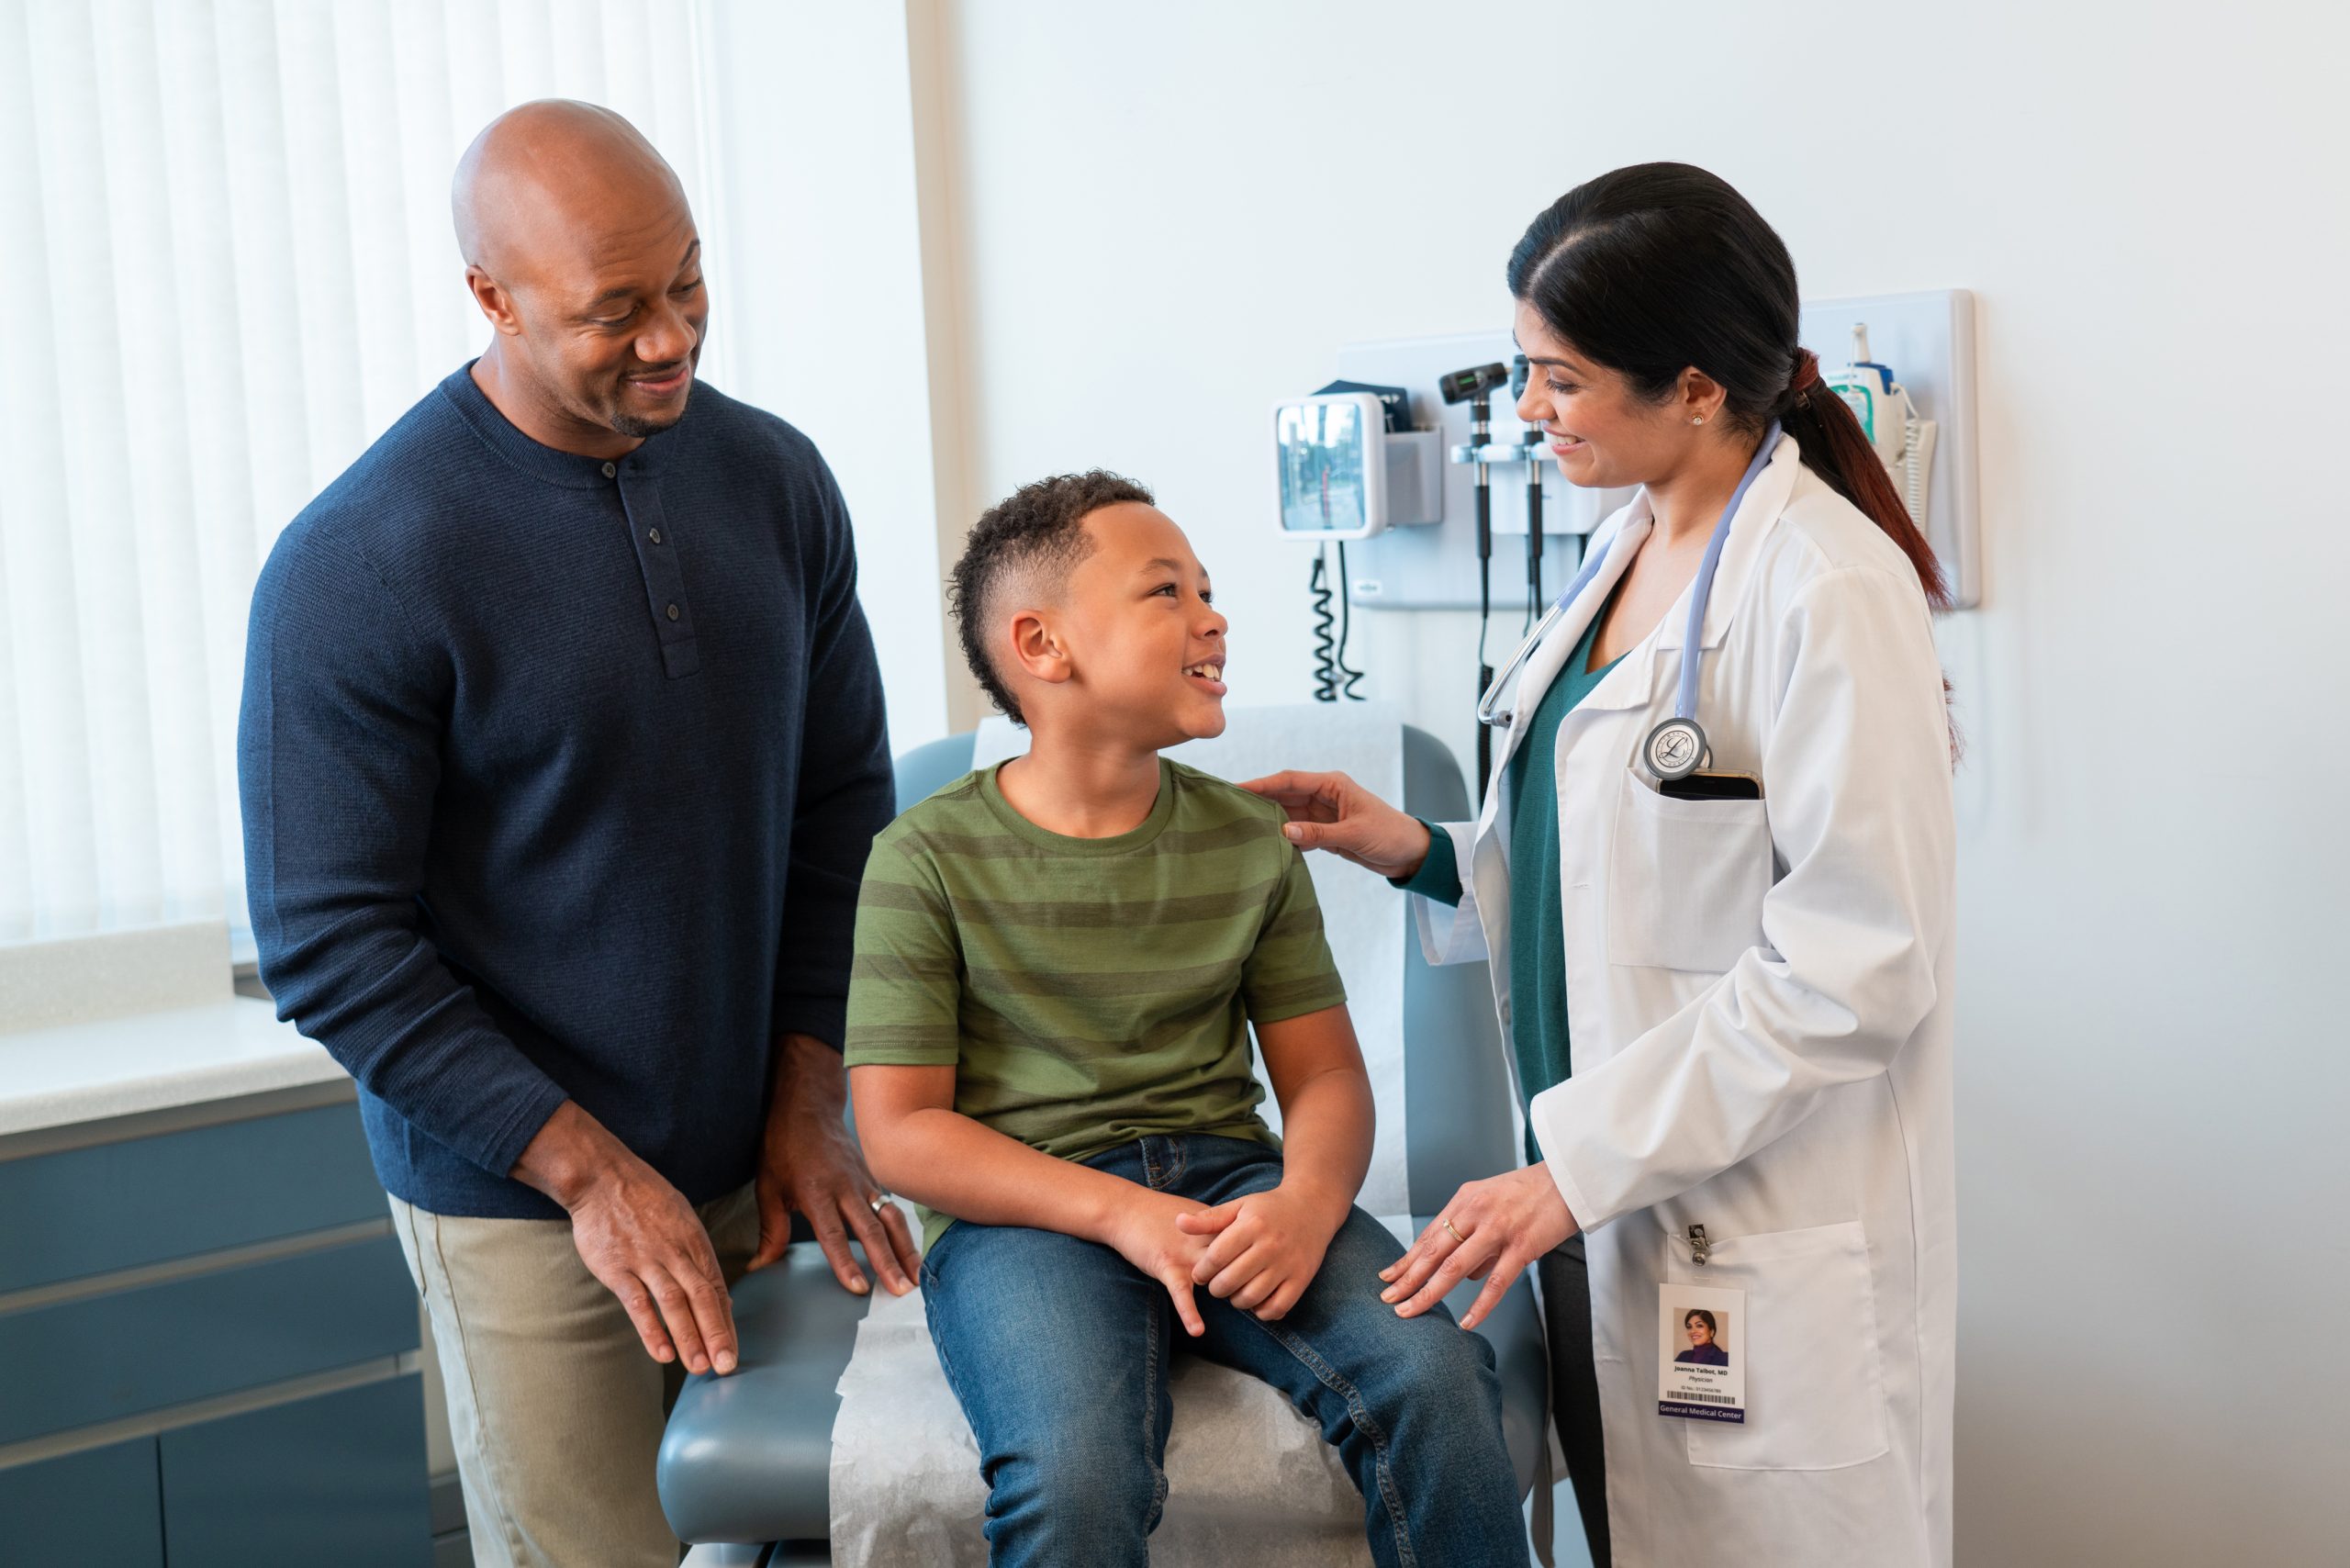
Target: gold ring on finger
[[1447, 1224]]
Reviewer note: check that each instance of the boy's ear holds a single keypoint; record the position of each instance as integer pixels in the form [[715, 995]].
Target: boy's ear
[[1036, 648]]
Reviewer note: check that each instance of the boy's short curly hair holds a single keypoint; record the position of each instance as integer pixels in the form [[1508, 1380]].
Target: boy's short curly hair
[[1038, 529]]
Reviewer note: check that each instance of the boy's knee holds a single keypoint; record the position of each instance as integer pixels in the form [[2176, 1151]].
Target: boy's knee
[[1437, 1378], [1079, 1491], [1434, 1349]]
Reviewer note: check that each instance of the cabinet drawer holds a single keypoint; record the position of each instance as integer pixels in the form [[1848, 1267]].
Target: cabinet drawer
[[103, 1356], [88, 1211], [339, 1479], [100, 1507]]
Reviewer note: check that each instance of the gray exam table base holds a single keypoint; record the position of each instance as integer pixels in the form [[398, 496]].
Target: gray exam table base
[[748, 1457]]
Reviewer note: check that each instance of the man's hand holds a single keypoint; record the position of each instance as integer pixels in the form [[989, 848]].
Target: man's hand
[[638, 1236], [1267, 1246], [1146, 1230], [810, 1163]]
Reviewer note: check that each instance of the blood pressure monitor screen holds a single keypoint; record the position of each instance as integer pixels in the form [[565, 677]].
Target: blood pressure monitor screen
[[1322, 448]]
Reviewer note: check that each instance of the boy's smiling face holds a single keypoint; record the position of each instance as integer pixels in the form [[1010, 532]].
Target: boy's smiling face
[[1135, 649]]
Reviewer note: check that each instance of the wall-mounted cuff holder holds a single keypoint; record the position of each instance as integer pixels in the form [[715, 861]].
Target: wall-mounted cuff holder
[[1414, 478]]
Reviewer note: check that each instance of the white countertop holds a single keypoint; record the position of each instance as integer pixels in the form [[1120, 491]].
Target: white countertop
[[70, 1073]]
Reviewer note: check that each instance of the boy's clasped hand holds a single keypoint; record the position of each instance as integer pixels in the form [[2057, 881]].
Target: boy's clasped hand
[[1261, 1251]]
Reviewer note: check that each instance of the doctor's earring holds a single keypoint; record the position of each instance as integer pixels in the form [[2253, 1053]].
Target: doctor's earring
[[1697, 420]]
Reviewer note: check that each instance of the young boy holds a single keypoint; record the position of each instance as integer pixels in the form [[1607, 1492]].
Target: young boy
[[1056, 961]]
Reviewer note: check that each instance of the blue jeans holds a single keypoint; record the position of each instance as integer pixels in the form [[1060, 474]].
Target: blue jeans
[[1059, 1350]]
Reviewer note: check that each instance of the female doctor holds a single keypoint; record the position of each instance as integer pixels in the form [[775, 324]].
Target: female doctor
[[1714, 872]]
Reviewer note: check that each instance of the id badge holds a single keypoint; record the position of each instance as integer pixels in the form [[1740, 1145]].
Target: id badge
[[1701, 1353]]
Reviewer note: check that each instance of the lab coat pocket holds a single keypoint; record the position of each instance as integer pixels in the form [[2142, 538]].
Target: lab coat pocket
[[1685, 880], [1815, 1382]]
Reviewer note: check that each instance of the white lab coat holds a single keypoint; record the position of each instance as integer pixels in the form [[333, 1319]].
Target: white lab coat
[[1759, 998]]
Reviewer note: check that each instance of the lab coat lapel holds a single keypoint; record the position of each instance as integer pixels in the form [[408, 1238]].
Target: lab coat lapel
[[1543, 666], [1489, 858]]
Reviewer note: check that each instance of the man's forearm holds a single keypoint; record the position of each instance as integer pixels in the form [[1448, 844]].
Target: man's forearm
[[570, 1156], [807, 1078]]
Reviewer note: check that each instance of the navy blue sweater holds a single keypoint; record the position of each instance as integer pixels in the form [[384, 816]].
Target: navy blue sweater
[[558, 780]]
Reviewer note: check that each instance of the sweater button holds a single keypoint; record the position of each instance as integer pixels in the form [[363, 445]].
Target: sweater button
[[611, 469], [673, 612], [653, 534]]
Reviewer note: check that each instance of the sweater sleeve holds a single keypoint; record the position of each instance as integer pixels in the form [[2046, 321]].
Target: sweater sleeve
[[846, 791], [1438, 876], [338, 760]]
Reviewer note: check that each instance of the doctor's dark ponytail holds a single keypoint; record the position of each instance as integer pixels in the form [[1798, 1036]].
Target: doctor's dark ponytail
[[1658, 267]]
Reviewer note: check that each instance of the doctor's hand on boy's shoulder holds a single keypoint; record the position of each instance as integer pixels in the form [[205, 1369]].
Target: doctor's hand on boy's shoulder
[[1267, 1247], [1330, 811]]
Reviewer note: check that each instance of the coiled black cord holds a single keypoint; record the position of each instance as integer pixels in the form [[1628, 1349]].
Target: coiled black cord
[[1326, 647], [1353, 678]]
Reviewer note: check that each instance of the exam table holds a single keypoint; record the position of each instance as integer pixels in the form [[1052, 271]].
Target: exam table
[[745, 1465]]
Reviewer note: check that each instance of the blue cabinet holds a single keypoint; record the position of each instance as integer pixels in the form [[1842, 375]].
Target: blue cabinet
[[106, 1357], [222, 1313], [336, 1479], [103, 1505], [178, 1195]]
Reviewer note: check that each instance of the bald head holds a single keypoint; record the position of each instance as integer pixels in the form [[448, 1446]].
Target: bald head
[[556, 175], [581, 251]]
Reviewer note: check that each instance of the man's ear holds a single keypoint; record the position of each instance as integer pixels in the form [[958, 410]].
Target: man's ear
[[495, 302], [1036, 648]]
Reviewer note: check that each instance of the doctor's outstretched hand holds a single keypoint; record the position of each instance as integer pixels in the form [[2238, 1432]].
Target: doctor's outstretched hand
[[1490, 1231], [1330, 811]]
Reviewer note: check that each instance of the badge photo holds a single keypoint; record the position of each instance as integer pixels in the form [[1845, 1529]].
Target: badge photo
[[1702, 1346]]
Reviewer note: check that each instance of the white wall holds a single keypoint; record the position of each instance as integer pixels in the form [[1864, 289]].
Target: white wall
[[819, 271], [2152, 217]]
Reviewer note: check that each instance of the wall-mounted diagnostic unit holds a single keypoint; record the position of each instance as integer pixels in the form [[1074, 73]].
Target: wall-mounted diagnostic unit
[[1432, 554]]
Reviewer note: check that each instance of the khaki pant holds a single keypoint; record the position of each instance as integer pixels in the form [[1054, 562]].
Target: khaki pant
[[555, 1409]]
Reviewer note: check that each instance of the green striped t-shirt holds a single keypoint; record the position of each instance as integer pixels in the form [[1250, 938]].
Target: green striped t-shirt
[[1087, 992]]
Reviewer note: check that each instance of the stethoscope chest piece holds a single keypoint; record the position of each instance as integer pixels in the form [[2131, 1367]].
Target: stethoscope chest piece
[[1674, 749]]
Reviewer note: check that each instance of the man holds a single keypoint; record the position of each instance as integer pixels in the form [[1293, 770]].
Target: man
[[561, 750]]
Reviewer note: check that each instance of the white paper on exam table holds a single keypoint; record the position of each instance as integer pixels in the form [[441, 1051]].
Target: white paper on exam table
[[1248, 1478]]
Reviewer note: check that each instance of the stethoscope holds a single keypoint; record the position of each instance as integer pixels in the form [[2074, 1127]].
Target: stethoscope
[[1675, 748]]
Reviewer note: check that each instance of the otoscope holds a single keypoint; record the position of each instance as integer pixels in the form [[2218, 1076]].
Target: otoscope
[[1519, 373], [1474, 387]]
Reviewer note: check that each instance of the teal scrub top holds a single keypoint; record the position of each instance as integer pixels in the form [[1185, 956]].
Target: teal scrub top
[[1538, 949]]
